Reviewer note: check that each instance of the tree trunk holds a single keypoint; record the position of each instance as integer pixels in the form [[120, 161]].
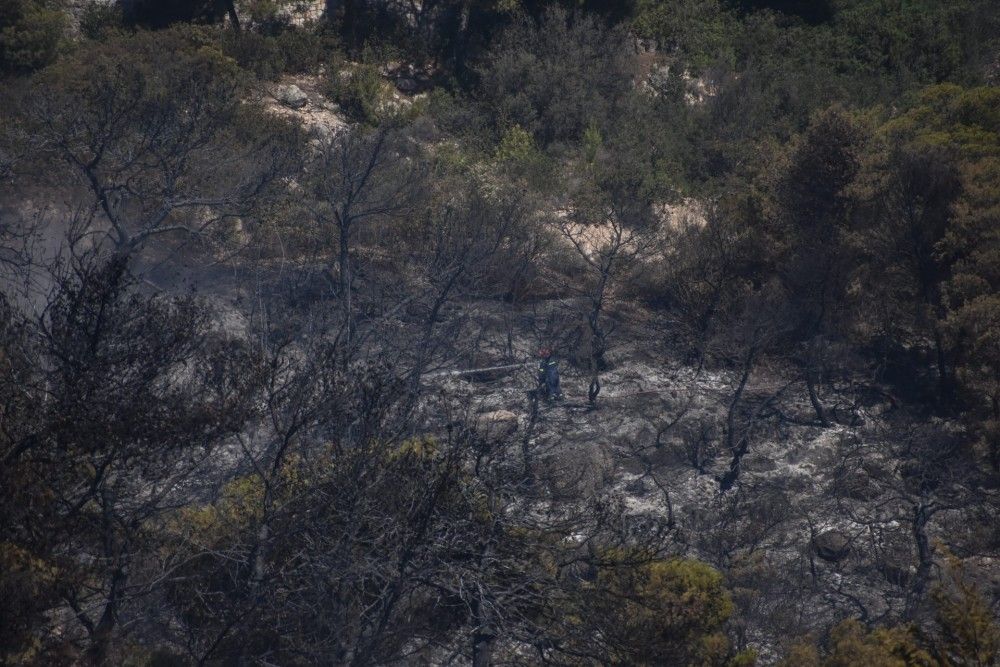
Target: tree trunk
[[813, 398], [734, 404], [944, 386], [344, 266], [529, 468], [482, 647], [459, 47], [425, 347], [597, 349], [484, 634], [994, 438], [349, 23], [925, 555], [101, 637], [738, 450], [595, 387], [234, 17]]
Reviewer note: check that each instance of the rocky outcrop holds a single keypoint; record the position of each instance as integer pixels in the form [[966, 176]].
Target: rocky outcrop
[[299, 99]]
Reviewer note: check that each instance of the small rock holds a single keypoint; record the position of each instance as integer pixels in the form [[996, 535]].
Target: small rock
[[292, 96], [832, 545]]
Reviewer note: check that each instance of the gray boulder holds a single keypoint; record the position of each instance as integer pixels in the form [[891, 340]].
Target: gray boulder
[[292, 96], [832, 545], [498, 421]]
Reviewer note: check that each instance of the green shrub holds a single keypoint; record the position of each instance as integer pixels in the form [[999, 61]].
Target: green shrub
[[291, 50], [518, 155], [460, 117], [255, 53], [360, 92], [592, 141], [696, 32], [305, 50], [556, 77], [661, 612], [30, 35], [98, 18], [516, 145]]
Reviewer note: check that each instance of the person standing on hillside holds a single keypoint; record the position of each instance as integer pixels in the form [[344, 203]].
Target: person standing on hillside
[[548, 374]]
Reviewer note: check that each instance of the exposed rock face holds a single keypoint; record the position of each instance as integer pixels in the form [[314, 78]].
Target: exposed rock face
[[297, 13], [697, 90], [832, 545], [292, 96], [318, 115]]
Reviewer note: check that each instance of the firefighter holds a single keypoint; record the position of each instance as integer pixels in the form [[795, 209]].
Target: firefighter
[[548, 374]]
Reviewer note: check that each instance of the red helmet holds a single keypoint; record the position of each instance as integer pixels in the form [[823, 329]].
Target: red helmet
[[544, 352]]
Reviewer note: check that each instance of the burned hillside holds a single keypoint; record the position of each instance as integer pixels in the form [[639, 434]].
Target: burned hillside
[[499, 333]]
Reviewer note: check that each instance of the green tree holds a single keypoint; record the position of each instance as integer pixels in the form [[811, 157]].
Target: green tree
[[158, 15], [972, 244], [30, 35], [966, 632], [907, 190], [928, 231], [816, 207], [851, 644], [962, 633], [695, 33], [555, 76], [641, 611]]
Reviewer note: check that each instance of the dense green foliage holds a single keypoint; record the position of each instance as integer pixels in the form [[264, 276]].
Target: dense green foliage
[[533, 76], [30, 35]]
